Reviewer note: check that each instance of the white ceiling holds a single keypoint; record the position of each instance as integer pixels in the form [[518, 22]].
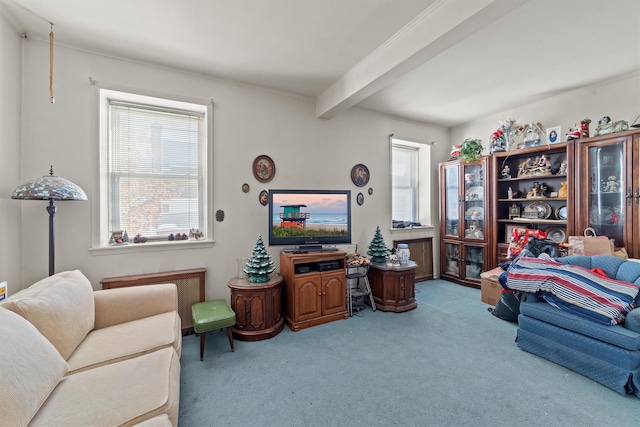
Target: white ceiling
[[438, 61]]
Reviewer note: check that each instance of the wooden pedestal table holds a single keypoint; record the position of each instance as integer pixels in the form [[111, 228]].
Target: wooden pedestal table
[[258, 308], [393, 288]]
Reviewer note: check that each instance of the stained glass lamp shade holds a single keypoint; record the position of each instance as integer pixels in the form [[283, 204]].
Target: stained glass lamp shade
[[51, 188]]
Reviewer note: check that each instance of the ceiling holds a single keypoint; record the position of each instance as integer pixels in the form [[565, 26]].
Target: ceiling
[[437, 61]]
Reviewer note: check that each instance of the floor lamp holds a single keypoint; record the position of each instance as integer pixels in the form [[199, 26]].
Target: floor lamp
[[51, 188]]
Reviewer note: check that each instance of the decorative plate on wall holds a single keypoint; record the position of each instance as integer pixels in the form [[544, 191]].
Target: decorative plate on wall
[[264, 198], [263, 168], [360, 175]]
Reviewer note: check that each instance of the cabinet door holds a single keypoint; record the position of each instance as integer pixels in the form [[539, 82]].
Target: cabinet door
[[307, 297], [473, 262], [474, 201], [405, 288], [334, 291], [451, 259], [275, 313], [608, 179], [250, 310], [451, 200]]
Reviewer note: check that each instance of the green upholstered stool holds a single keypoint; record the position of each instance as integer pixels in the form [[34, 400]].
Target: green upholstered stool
[[210, 315]]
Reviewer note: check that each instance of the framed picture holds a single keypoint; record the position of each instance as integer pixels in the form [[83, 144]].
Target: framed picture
[[360, 175], [508, 231], [554, 134], [263, 168], [360, 199]]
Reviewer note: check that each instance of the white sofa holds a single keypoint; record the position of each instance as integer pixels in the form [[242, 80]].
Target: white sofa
[[72, 356]]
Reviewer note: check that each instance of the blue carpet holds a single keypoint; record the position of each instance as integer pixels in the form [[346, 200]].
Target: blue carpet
[[448, 362]]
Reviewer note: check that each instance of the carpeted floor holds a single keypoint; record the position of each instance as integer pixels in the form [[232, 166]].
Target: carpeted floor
[[449, 362]]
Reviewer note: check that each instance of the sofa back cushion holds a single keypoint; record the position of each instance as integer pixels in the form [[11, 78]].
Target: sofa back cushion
[[61, 307], [30, 368]]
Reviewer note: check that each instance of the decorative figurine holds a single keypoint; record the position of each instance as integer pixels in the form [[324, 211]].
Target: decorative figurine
[[523, 167], [606, 126], [532, 135], [584, 127], [612, 185], [510, 193], [378, 249], [196, 233], [260, 265], [506, 172], [541, 166], [563, 168], [455, 151], [562, 192]]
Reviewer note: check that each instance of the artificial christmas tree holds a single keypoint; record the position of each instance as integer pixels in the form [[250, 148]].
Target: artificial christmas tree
[[260, 265], [378, 250]]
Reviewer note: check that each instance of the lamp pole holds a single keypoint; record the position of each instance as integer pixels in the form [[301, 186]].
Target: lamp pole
[[52, 208]]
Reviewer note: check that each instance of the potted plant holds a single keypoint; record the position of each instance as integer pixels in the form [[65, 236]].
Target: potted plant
[[471, 149]]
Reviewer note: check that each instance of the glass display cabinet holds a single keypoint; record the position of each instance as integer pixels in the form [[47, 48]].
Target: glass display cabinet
[[464, 228], [608, 201]]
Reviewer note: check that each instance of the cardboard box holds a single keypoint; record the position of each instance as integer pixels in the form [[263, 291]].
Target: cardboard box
[[490, 289]]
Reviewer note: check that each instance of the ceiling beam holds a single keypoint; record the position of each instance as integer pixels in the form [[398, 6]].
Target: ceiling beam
[[436, 29]]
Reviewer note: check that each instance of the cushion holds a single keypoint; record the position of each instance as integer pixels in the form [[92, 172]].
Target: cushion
[[211, 315], [60, 307], [118, 394], [632, 321], [575, 289], [30, 368], [127, 340]]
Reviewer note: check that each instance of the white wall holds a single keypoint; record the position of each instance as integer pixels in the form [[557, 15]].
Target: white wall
[[618, 98], [308, 152], [10, 116]]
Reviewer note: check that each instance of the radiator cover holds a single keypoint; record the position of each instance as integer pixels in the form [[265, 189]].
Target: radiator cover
[[190, 284]]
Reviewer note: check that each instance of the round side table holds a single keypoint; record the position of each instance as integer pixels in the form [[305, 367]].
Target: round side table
[[258, 308]]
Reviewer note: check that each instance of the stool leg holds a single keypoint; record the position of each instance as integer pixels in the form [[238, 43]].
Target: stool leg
[[202, 334], [230, 335]]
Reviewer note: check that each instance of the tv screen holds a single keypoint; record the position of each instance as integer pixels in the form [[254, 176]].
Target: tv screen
[[309, 217]]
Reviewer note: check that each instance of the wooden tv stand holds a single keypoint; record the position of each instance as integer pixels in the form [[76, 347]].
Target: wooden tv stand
[[314, 297]]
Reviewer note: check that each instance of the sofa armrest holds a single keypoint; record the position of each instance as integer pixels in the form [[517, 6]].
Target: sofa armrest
[[120, 305]]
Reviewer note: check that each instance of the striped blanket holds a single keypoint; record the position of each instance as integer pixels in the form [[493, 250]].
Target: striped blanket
[[574, 289]]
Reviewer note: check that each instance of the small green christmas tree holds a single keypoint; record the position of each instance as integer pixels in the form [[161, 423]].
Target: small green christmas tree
[[259, 266], [378, 250]]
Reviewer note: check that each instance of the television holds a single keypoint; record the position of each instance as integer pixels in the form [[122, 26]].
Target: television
[[309, 219]]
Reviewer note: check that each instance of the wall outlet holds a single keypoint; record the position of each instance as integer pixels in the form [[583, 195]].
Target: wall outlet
[[3, 290]]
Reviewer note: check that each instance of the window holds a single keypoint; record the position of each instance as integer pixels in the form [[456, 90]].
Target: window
[[153, 166], [410, 183]]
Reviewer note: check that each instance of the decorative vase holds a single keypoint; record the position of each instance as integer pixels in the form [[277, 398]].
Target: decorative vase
[[403, 253], [242, 262]]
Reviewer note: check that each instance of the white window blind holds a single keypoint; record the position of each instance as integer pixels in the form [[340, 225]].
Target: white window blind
[[156, 168], [404, 183], [411, 203]]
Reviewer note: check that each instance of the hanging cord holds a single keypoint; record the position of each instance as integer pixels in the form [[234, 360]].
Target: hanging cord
[[51, 97]]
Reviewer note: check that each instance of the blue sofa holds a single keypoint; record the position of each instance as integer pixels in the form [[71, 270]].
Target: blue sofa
[[608, 354]]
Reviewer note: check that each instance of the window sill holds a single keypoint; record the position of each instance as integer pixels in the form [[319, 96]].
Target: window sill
[[151, 247], [417, 228]]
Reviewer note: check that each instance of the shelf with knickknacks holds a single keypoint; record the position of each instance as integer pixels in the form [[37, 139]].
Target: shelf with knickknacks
[[531, 184]]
